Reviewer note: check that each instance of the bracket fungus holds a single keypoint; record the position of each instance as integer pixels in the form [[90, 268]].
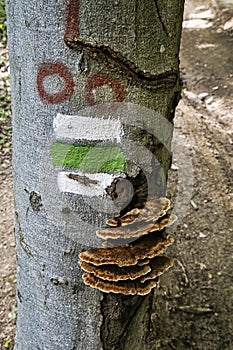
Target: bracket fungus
[[114, 272], [147, 246], [122, 287], [153, 210], [131, 268], [143, 262], [137, 228], [158, 266]]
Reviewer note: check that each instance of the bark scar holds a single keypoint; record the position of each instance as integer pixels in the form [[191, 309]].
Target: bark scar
[[117, 60], [112, 58], [21, 237], [35, 201]]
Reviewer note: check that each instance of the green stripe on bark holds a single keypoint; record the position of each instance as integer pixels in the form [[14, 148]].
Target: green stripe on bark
[[88, 157]]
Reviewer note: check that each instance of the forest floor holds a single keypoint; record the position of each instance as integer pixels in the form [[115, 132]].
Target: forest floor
[[203, 120]]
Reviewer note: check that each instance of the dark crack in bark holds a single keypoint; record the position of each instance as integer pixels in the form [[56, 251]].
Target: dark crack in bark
[[118, 313], [160, 17]]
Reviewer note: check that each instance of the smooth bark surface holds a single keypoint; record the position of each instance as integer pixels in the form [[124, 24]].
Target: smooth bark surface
[[55, 309]]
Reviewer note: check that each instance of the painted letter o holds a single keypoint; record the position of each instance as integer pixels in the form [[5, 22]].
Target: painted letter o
[[50, 68]]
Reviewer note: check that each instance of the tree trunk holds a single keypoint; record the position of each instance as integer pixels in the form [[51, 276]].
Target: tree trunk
[[71, 58]]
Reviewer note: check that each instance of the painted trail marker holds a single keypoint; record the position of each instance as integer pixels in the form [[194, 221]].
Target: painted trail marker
[[91, 160], [86, 150], [89, 129]]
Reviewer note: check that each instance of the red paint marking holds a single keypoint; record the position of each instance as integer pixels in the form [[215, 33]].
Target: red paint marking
[[50, 68], [101, 79], [72, 19]]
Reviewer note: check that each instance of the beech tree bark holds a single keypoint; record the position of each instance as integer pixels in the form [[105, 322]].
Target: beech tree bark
[[66, 57]]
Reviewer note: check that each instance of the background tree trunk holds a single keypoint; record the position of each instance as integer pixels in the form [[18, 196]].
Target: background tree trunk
[[55, 309]]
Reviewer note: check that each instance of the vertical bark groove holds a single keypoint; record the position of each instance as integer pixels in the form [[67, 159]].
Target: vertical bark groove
[[114, 330], [160, 17]]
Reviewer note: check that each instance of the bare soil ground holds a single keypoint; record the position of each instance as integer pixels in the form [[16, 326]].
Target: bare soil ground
[[203, 245], [7, 245], [200, 315]]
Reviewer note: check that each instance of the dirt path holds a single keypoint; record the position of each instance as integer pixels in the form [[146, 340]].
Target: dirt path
[[203, 248], [201, 315], [7, 259]]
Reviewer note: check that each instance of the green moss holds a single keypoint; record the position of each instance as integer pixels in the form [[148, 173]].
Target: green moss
[[88, 157]]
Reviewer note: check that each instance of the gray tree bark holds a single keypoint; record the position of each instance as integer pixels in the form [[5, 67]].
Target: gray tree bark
[[136, 56]]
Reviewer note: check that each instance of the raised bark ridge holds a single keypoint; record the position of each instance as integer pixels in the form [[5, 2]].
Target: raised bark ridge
[[126, 67]]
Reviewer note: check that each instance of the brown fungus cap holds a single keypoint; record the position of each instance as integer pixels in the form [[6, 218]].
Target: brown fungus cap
[[147, 246], [158, 265], [143, 262], [136, 229], [114, 272], [153, 210], [123, 287]]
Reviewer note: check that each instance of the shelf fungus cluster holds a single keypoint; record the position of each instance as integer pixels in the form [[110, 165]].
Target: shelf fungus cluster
[[131, 268]]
